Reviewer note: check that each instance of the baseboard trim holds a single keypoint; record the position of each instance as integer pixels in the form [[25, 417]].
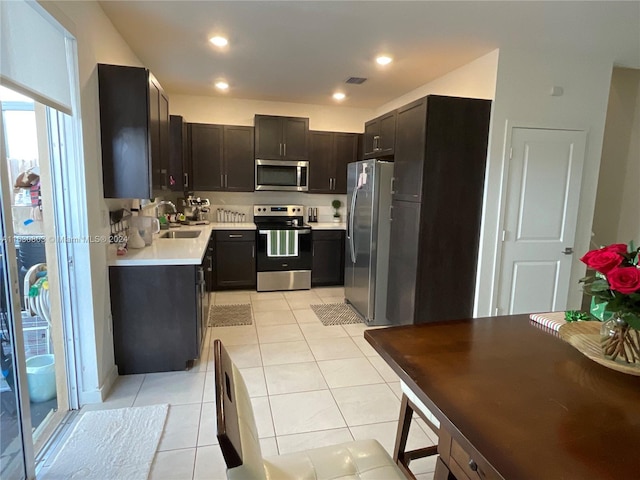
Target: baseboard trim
[[100, 395]]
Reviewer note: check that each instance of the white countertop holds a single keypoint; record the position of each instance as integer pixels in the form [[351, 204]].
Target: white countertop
[[165, 251], [186, 251], [327, 226], [232, 226]]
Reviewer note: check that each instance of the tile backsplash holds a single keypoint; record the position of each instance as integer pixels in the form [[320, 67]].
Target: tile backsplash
[[243, 203]]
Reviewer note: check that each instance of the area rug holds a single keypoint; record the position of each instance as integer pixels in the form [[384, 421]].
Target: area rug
[[230, 315], [111, 445], [336, 314]]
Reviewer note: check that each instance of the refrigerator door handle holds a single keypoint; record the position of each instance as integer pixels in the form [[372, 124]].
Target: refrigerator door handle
[[352, 249]]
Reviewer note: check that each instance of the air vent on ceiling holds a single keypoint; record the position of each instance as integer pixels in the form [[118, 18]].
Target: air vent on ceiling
[[356, 80]]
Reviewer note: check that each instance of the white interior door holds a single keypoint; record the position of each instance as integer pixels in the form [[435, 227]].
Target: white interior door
[[543, 190]]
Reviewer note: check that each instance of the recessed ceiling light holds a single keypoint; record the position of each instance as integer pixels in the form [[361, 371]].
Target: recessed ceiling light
[[384, 60], [222, 85], [219, 41], [339, 96]]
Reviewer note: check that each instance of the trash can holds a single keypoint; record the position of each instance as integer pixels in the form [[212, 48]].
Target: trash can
[[41, 378]]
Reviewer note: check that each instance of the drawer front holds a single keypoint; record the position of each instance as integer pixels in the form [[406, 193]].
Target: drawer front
[[465, 463], [327, 234], [235, 235]]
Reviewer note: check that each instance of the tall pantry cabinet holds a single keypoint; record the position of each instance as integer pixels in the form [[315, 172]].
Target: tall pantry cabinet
[[440, 158]]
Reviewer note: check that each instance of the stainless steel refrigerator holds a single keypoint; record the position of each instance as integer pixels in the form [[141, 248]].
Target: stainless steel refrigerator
[[367, 245]]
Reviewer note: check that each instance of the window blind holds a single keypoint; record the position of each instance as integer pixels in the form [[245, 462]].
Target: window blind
[[33, 54]]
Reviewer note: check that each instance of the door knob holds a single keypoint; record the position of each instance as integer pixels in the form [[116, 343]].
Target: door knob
[[568, 251]]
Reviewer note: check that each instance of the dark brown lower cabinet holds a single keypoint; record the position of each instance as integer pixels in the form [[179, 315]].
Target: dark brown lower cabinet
[[235, 259], [157, 317], [328, 258]]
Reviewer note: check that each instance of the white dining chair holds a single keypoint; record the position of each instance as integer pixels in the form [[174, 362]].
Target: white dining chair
[[238, 437]]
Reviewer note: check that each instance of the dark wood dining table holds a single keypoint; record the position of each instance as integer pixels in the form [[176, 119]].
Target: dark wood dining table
[[515, 401]]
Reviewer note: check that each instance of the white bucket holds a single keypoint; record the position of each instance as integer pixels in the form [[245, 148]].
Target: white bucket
[[41, 378]]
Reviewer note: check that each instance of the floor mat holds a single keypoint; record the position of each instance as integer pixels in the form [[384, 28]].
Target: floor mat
[[336, 314], [111, 444], [230, 315]]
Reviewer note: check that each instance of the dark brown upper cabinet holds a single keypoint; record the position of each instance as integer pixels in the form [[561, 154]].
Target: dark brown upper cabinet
[[281, 138], [206, 156], [180, 172], [329, 154], [380, 136], [134, 132], [239, 164], [222, 157]]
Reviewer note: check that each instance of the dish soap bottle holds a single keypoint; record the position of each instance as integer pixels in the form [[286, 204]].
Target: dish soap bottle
[[135, 240]]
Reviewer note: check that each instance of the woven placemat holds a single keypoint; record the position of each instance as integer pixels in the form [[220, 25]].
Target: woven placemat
[[336, 314], [585, 337], [230, 315]]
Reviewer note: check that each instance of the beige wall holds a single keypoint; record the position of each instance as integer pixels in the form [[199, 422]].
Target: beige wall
[[524, 81], [617, 214], [97, 42], [476, 79], [232, 111]]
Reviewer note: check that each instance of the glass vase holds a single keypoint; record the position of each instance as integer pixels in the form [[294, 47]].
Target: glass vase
[[620, 343]]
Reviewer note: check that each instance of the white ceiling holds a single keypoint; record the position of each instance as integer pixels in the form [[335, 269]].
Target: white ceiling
[[303, 51]]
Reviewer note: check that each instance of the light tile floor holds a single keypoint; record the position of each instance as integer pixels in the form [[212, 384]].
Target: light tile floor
[[310, 385]]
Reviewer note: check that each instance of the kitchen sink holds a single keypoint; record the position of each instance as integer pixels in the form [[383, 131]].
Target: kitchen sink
[[181, 234]]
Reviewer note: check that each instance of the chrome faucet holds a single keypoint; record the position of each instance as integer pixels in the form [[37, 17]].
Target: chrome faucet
[[165, 202]]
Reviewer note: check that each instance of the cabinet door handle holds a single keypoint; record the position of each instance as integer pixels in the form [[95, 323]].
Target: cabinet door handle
[[330, 179], [280, 150], [285, 149], [221, 180], [235, 235], [186, 180], [226, 181], [391, 213], [393, 184], [253, 251]]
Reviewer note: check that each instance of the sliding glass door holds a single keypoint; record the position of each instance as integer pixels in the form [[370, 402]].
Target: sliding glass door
[[16, 445]]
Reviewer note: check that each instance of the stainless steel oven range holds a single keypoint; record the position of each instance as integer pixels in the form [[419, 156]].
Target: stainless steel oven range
[[283, 246]]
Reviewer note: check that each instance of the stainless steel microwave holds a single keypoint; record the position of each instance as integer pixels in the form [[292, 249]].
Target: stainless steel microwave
[[284, 175]]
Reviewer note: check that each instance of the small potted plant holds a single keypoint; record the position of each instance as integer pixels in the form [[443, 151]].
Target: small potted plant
[[336, 204]]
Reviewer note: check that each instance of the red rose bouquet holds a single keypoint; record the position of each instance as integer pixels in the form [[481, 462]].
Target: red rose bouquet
[[616, 280]]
